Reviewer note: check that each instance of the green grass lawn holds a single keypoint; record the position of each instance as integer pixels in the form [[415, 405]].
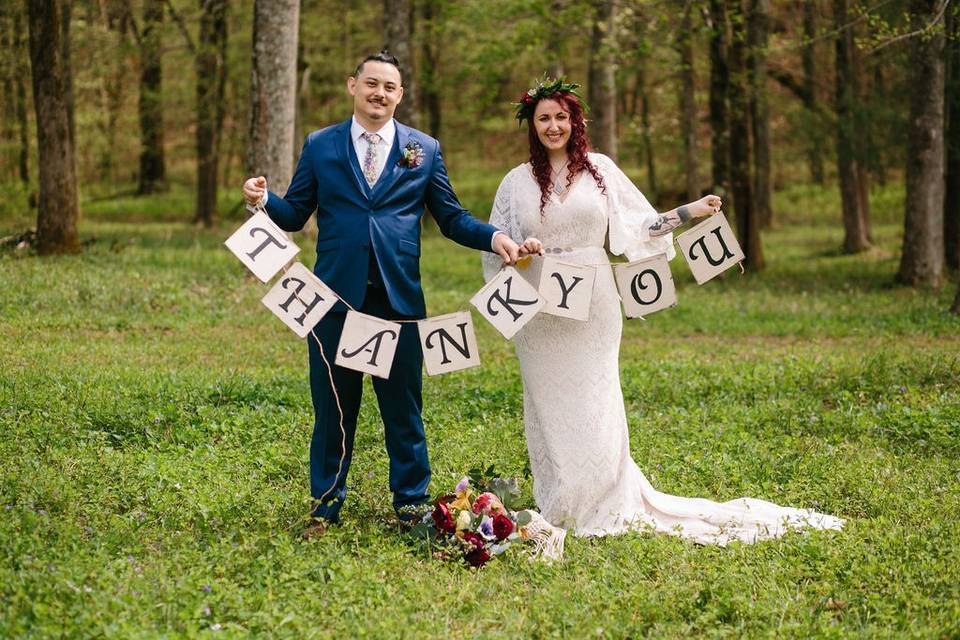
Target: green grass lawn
[[155, 421]]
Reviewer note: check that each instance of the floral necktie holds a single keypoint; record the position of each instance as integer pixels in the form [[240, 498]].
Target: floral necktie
[[370, 159]]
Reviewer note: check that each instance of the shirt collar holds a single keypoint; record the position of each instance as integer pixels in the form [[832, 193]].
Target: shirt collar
[[387, 132]]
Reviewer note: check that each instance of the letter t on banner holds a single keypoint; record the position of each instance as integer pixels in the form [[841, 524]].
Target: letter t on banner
[[262, 246], [646, 286], [300, 299], [710, 248], [368, 344], [508, 302], [449, 343]]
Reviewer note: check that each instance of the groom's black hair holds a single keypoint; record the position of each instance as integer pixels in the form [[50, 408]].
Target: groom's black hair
[[383, 56]]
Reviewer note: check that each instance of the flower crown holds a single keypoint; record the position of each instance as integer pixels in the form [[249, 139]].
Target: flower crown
[[545, 88]]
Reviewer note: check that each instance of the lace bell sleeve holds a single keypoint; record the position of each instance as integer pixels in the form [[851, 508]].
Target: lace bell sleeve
[[630, 216], [503, 218]]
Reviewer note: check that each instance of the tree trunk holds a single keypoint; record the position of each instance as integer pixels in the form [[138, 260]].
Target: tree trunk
[[748, 227], [814, 143], [58, 209], [152, 164], [9, 73], [211, 80], [688, 104], [951, 204], [273, 89], [718, 23], [757, 30], [641, 89], [955, 307], [397, 32], [556, 37], [429, 78], [601, 73], [854, 223], [922, 260]]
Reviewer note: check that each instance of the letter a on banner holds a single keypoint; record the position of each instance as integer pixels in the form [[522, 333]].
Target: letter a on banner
[[300, 299], [710, 248], [262, 246], [449, 343], [646, 286], [508, 302], [368, 344], [567, 288]]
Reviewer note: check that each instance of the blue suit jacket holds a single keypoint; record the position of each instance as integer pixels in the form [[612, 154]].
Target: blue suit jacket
[[354, 219]]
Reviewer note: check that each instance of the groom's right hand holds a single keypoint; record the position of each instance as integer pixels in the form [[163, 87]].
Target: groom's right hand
[[254, 190]]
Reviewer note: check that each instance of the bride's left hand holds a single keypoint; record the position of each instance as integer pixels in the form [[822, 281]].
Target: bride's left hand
[[705, 206], [530, 247]]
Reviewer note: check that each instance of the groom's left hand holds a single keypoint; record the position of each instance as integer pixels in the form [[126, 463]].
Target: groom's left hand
[[506, 248]]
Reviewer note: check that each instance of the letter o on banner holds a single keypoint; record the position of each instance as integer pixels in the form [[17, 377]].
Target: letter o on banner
[[646, 286]]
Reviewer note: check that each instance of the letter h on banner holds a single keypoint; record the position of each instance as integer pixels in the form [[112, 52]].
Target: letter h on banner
[[262, 246], [508, 302], [300, 299]]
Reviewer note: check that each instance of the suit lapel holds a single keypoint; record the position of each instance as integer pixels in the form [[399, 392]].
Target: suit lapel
[[392, 170], [348, 154]]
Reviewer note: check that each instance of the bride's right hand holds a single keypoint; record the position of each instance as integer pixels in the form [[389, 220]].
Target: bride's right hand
[[531, 246]]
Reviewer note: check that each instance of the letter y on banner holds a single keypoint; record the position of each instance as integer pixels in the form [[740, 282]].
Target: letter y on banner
[[567, 288], [449, 343], [508, 302], [710, 248], [368, 344], [262, 246], [300, 299]]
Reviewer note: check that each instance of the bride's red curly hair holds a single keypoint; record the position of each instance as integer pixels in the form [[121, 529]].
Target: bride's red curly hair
[[577, 147]]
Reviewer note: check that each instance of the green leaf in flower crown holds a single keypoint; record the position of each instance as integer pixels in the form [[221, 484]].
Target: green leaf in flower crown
[[524, 518]]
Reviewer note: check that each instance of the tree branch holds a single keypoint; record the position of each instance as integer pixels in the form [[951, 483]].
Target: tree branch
[[182, 27]]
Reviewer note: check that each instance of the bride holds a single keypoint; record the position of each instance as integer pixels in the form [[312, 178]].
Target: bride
[[565, 202]]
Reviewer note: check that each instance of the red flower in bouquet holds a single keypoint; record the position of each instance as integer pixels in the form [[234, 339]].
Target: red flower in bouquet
[[502, 526], [487, 503], [477, 554], [443, 518]]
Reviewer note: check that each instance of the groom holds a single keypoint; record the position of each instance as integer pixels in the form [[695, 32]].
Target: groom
[[369, 179]]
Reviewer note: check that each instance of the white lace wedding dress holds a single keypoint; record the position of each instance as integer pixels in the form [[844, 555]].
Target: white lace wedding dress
[[576, 428]]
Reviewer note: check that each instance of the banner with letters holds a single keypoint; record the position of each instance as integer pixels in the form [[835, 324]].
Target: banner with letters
[[508, 301]]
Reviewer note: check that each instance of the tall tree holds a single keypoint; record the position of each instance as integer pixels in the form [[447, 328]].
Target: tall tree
[[556, 36], [429, 77], [21, 99], [153, 174], [719, 25], [856, 237], [814, 142], [601, 77], [921, 262], [688, 104], [273, 91], [757, 29], [748, 225], [951, 204], [58, 212], [397, 32], [211, 81]]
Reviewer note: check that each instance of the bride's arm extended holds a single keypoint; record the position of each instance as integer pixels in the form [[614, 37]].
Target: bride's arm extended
[[667, 222]]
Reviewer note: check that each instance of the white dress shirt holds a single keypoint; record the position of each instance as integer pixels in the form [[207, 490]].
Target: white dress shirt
[[387, 133]]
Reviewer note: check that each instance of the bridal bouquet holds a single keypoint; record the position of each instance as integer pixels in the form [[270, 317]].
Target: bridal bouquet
[[475, 522]]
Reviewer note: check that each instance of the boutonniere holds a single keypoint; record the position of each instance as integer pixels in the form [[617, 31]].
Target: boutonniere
[[412, 155]]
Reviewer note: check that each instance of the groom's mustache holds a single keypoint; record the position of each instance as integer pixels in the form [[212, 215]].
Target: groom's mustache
[[378, 101]]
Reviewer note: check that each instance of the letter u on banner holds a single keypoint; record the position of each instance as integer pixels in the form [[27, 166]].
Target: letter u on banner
[[262, 246], [368, 344], [449, 343], [710, 248], [508, 302], [300, 299], [646, 286]]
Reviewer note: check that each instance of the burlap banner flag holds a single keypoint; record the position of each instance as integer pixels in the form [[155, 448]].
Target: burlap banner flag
[[566, 288], [646, 286], [710, 248], [262, 246], [508, 302], [368, 344], [300, 299], [449, 343]]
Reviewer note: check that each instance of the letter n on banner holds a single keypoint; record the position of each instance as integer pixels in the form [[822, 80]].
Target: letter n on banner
[[368, 344], [508, 302], [449, 343], [300, 299], [710, 248], [567, 288], [262, 246], [646, 286]]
